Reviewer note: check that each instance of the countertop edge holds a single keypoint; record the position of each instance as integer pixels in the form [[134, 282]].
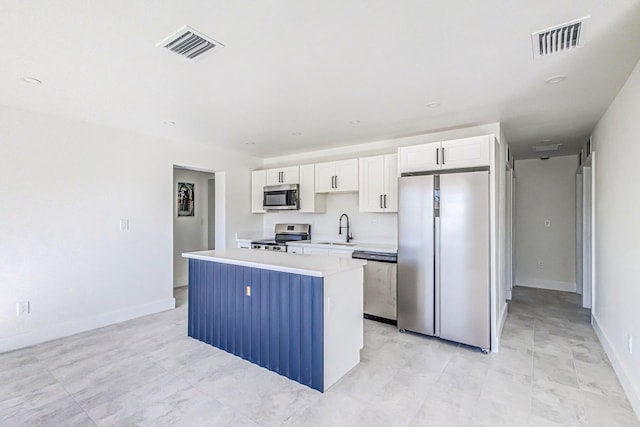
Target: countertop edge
[[280, 268]]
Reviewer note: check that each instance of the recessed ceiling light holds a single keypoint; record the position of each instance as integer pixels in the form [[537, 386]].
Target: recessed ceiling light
[[169, 123], [250, 143], [296, 133], [32, 80], [555, 79], [354, 122], [433, 104]]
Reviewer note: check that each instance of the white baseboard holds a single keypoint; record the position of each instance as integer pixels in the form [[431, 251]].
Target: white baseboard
[[632, 390], [553, 285], [65, 329]]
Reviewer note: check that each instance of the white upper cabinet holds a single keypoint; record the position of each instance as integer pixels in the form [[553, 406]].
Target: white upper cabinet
[[379, 183], [419, 158], [454, 154], [258, 181], [288, 175], [339, 176], [466, 152], [310, 201]]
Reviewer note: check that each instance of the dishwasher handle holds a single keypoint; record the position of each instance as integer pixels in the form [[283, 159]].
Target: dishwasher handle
[[375, 256]]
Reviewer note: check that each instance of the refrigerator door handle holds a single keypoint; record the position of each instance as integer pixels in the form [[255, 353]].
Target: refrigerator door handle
[[436, 271]]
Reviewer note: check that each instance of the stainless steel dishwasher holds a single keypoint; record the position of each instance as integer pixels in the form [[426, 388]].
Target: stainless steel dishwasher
[[380, 285]]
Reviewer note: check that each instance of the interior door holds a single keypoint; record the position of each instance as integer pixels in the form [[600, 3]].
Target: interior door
[[463, 310]]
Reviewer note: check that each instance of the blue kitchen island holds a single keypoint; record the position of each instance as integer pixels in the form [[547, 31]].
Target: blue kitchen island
[[298, 315]]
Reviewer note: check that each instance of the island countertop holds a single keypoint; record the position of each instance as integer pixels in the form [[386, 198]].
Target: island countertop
[[317, 266]]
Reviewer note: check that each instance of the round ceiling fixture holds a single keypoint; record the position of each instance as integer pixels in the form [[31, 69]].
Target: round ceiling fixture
[[555, 79], [250, 143], [433, 104], [169, 123], [32, 80]]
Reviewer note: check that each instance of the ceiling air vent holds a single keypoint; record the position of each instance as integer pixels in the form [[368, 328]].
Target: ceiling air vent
[[560, 38], [550, 147], [189, 43]]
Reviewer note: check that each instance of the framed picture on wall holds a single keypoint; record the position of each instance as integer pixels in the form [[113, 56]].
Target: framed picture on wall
[[186, 199]]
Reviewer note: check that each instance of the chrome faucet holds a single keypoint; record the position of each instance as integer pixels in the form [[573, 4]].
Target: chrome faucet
[[340, 227]]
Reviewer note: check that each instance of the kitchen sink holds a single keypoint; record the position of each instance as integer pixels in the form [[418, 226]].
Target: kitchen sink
[[337, 243]]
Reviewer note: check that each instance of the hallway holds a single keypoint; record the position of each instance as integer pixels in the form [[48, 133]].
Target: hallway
[[573, 382]]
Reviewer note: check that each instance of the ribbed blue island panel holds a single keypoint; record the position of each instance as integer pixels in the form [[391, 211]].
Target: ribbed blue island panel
[[270, 318]]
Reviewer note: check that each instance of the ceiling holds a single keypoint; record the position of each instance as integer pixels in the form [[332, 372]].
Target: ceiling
[[305, 75]]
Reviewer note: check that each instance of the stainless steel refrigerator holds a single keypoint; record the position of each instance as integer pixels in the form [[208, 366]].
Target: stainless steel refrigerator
[[443, 256]]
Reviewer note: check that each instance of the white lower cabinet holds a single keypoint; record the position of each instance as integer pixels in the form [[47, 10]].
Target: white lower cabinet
[[294, 249], [315, 251]]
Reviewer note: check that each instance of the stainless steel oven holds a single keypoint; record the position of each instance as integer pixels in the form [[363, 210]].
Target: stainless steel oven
[[279, 197]]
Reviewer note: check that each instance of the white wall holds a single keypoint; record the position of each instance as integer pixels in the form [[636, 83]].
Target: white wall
[[190, 233], [546, 190], [64, 186], [365, 227], [616, 313]]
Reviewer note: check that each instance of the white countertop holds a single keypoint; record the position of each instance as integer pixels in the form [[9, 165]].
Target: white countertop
[[356, 246], [308, 265]]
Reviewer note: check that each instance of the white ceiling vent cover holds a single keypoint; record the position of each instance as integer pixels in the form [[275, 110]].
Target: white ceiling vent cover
[[560, 38], [550, 147], [189, 43]]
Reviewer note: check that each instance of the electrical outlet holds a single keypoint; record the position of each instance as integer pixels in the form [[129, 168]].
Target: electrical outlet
[[540, 263], [124, 225], [547, 223], [630, 343], [22, 308]]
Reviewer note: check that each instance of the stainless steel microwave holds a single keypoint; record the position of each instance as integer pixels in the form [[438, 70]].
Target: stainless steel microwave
[[281, 197]]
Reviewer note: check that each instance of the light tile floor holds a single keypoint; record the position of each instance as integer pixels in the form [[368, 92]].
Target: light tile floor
[[551, 372]]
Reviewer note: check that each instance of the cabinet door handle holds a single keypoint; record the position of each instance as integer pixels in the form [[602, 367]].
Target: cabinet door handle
[[336, 181], [443, 155], [381, 201], [437, 156], [332, 185], [281, 176], [385, 200]]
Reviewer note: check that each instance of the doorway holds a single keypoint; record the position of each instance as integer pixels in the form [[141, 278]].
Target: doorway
[[194, 217]]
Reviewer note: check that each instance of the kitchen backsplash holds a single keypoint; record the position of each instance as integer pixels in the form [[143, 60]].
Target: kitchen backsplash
[[365, 227]]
